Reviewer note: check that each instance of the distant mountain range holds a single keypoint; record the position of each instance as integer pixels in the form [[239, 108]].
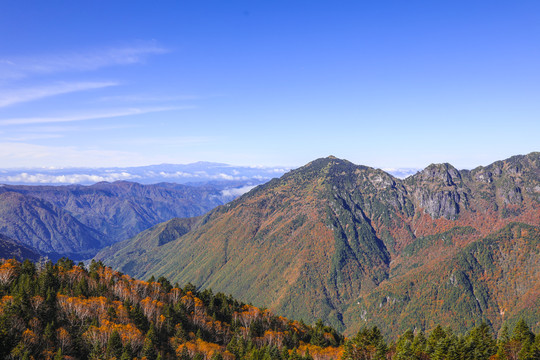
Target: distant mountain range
[[11, 249], [77, 220], [199, 172], [353, 245]]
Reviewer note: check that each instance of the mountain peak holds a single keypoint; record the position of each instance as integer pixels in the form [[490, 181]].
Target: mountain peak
[[332, 236], [443, 174]]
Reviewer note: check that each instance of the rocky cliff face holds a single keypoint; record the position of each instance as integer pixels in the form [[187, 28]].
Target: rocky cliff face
[[509, 182], [440, 191], [443, 191]]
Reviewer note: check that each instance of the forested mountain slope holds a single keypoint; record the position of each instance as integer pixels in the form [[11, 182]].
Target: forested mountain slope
[[77, 221], [322, 239], [71, 312], [11, 249], [122, 209], [48, 228]]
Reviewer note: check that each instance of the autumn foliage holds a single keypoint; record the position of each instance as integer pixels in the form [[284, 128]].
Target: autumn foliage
[[68, 311]]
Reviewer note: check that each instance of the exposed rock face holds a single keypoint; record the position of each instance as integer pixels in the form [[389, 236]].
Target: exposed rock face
[[439, 190], [443, 191]]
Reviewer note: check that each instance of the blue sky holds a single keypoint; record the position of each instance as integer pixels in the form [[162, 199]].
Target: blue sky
[[381, 83]]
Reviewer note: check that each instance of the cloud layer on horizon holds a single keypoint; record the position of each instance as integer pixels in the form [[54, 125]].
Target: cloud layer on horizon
[[190, 173]]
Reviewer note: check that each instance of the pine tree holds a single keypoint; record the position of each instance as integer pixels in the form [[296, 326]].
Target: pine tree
[[235, 347], [49, 334], [367, 344], [441, 349], [525, 351], [404, 350], [502, 342], [127, 353], [481, 342], [114, 345], [81, 289], [535, 348], [96, 353], [522, 332], [419, 345], [148, 349], [136, 314], [294, 355], [284, 354], [59, 355]]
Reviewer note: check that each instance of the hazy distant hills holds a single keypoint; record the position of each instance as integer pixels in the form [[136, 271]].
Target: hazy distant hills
[[46, 227], [11, 249], [78, 220], [352, 244], [199, 172]]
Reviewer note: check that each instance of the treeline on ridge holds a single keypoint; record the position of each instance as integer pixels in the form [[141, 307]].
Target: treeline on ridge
[[69, 311], [66, 311]]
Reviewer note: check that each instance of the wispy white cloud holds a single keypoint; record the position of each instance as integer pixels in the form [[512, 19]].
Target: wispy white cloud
[[66, 128], [235, 192], [30, 136], [24, 95], [147, 98], [86, 116], [401, 173], [20, 67]]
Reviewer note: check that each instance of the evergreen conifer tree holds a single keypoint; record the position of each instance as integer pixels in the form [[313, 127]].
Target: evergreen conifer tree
[[114, 345], [58, 355], [148, 349]]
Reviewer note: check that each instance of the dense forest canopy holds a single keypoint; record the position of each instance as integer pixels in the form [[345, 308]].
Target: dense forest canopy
[[68, 311]]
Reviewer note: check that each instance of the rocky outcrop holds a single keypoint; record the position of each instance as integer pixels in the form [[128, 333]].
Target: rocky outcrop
[[439, 190]]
